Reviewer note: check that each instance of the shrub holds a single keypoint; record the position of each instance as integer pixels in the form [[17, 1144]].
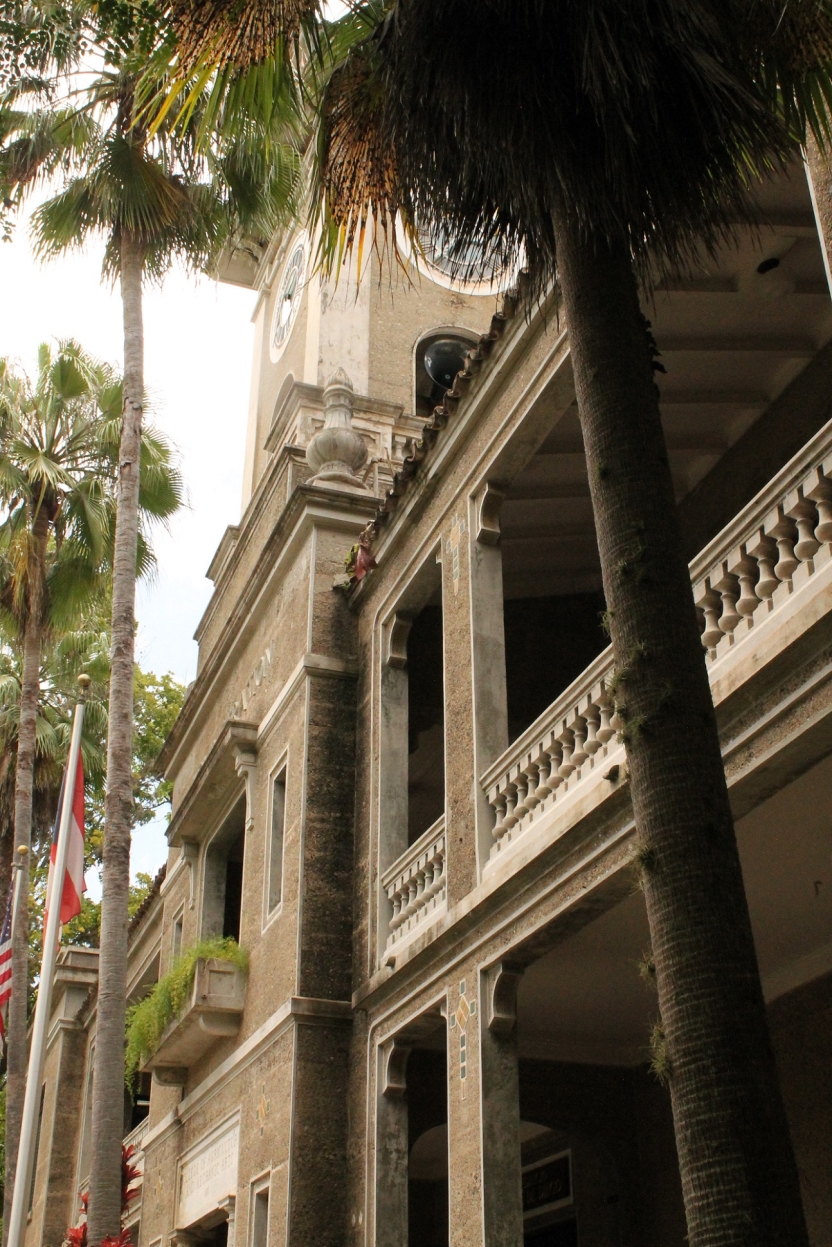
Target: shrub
[[147, 1020], [76, 1235]]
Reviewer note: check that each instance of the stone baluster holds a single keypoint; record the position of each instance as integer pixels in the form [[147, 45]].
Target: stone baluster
[[579, 732], [728, 589], [606, 731], [567, 743], [711, 603], [805, 517], [439, 875], [395, 897], [765, 552], [412, 893], [784, 532], [592, 717], [498, 804], [545, 769], [745, 569], [532, 773], [821, 495], [513, 797]]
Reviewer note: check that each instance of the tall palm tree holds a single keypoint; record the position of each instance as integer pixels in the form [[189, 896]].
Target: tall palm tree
[[59, 449], [602, 140], [156, 199]]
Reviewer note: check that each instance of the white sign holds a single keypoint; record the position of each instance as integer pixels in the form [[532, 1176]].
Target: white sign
[[208, 1175]]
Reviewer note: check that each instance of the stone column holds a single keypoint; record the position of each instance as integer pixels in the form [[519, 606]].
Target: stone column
[[819, 177], [488, 646], [391, 1145], [500, 1092], [465, 1211]]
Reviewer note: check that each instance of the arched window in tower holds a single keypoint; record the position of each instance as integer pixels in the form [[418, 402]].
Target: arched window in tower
[[439, 356]]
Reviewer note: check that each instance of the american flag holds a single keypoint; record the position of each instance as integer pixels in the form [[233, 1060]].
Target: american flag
[[6, 962]]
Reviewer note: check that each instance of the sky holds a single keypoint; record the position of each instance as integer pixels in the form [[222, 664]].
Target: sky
[[198, 348]]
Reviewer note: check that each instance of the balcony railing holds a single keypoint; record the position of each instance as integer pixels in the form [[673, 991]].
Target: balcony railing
[[415, 884], [770, 550], [136, 1136]]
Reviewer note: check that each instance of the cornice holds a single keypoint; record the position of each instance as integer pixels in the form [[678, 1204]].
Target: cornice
[[495, 357], [310, 506], [217, 767]]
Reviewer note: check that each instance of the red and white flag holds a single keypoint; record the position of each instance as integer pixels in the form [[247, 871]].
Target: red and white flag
[[74, 885]]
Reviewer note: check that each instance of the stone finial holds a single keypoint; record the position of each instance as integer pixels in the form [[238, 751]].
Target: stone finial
[[336, 452]]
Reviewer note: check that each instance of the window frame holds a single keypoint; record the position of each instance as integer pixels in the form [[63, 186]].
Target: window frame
[[279, 771], [256, 1189]]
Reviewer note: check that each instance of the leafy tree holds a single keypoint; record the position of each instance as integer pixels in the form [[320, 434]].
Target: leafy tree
[[600, 142], [85, 649], [156, 199], [59, 448]]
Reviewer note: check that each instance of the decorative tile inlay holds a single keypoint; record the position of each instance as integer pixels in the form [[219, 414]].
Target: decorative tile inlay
[[452, 548], [262, 1111], [459, 1021]]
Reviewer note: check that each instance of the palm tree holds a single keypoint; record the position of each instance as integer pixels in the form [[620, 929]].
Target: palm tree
[[156, 199], [601, 142], [59, 449]]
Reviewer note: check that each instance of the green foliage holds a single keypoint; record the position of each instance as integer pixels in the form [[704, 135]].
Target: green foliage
[[147, 1020], [117, 177], [139, 892], [157, 701]]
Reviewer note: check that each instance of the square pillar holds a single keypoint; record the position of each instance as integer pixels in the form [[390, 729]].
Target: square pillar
[[500, 1091], [485, 1195], [391, 1145]]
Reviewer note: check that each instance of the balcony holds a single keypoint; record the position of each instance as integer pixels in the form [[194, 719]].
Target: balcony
[[415, 884], [214, 1011], [764, 581]]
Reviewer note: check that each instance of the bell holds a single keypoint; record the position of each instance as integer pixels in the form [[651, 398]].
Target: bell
[[444, 358]]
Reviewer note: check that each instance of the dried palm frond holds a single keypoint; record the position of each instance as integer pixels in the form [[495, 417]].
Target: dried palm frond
[[241, 33], [648, 123], [357, 170]]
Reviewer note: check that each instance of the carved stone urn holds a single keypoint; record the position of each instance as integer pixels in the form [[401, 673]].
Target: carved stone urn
[[336, 452]]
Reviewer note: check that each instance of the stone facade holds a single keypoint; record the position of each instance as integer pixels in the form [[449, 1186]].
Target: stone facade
[[404, 792]]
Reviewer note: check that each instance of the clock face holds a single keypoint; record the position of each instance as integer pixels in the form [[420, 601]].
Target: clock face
[[463, 267], [288, 299]]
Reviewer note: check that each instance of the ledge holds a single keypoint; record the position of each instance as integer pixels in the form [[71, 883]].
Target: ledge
[[215, 1011], [214, 779]]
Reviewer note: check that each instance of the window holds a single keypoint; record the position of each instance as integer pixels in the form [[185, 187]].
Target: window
[[274, 863], [222, 895], [425, 718], [440, 352], [176, 938], [260, 1217]]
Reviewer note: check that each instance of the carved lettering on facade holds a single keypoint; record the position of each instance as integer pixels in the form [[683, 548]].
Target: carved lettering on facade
[[262, 668], [208, 1176]]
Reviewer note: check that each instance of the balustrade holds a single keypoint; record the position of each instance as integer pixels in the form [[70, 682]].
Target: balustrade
[[565, 743], [415, 884], [781, 542], [773, 546]]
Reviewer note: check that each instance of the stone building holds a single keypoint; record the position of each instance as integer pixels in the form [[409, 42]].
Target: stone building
[[404, 793]]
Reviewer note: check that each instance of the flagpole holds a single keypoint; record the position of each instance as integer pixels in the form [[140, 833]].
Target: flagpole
[[37, 1051], [23, 852]]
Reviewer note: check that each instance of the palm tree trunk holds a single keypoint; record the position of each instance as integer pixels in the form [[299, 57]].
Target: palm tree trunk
[[16, 1032], [739, 1177], [108, 1087]]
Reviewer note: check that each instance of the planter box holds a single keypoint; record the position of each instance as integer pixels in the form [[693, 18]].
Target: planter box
[[214, 1011]]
